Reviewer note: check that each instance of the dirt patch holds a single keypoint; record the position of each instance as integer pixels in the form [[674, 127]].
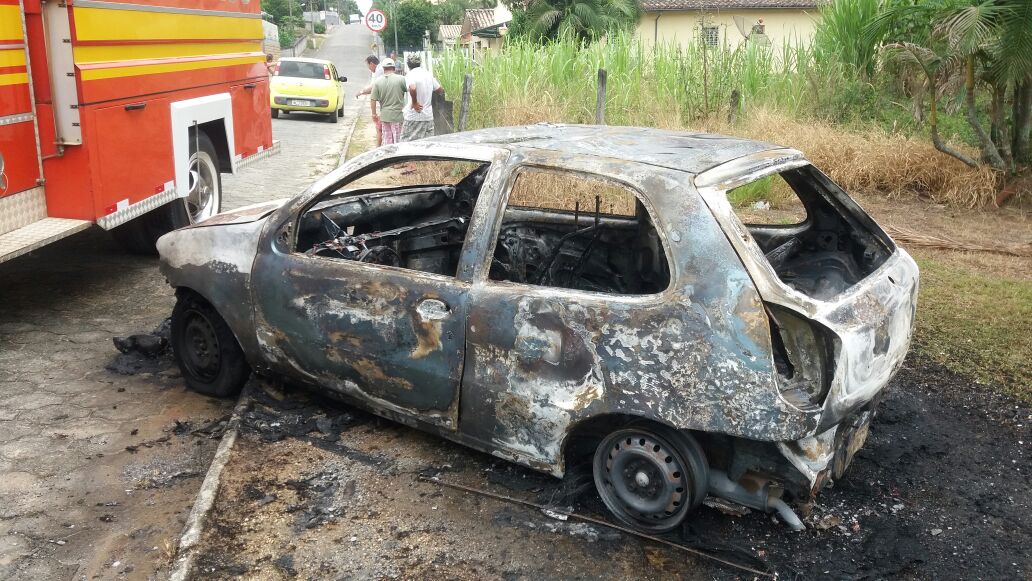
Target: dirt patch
[[1007, 226], [315, 489]]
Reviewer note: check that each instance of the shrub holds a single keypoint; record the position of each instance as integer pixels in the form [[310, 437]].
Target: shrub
[[319, 28], [286, 37]]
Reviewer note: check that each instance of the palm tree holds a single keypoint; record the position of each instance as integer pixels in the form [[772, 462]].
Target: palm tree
[[984, 45], [584, 19]]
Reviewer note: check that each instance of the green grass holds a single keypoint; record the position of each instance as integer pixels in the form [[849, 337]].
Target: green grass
[[750, 193], [646, 86], [977, 325]]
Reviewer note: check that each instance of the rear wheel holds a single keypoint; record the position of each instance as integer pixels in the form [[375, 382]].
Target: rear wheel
[[650, 476], [203, 201], [334, 117], [206, 350], [275, 113]]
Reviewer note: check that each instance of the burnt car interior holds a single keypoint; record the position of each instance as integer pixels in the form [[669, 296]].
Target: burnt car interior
[[420, 226], [551, 239], [830, 250]]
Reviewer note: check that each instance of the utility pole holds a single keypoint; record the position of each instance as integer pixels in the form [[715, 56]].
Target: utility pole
[[395, 20]]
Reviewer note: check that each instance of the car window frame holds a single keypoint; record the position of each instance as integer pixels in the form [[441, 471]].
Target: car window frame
[[484, 277], [295, 218]]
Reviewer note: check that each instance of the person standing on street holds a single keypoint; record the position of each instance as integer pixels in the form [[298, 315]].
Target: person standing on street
[[419, 112], [389, 92], [377, 69]]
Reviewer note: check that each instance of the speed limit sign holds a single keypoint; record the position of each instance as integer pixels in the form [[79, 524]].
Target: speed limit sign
[[376, 20]]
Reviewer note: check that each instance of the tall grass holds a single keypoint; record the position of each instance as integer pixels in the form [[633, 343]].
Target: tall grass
[[668, 84], [794, 95]]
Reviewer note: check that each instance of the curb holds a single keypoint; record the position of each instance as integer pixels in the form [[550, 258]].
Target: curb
[[347, 141], [205, 501]]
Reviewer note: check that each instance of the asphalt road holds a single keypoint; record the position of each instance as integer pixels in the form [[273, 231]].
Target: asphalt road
[[310, 146]]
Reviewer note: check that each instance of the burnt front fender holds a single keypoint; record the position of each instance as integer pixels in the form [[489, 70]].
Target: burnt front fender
[[215, 262]]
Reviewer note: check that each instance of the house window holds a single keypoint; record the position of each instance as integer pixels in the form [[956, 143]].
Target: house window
[[710, 35], [759, 28]]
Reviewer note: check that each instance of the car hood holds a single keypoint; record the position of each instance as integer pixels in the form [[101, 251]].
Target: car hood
[[244, 215]]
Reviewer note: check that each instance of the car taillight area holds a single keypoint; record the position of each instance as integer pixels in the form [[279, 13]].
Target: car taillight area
[[804, 357]]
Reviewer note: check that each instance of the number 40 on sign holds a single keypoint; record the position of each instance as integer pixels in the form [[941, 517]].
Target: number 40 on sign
[[376, 20]]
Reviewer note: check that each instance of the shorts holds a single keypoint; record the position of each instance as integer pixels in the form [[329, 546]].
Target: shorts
[[413, 130], [390, 132]]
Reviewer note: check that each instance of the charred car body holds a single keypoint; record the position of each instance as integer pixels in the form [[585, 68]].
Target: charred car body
[[551, 294]]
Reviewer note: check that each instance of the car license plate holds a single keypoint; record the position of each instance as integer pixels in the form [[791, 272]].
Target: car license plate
[[300, 103]]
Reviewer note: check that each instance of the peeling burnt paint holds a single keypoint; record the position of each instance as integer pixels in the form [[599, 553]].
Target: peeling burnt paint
[[514, 368]]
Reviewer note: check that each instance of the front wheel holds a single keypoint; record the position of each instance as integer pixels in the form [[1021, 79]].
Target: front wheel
[[206, 350], [333, 117], [650, 476]]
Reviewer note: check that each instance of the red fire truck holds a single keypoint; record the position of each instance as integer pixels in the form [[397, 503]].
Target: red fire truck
[[123, 113]]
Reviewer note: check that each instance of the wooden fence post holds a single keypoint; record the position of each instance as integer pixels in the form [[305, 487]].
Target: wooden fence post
[[600, 101], [467, 92]]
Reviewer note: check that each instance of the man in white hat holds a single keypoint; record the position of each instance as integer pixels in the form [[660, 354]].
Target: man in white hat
[[419, 112], [389, 92]]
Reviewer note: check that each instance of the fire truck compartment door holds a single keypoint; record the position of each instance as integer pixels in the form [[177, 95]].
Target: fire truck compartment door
[[133, 142]]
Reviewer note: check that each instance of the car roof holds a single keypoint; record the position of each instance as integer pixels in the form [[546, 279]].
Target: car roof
[[305, 60], [688, 152]]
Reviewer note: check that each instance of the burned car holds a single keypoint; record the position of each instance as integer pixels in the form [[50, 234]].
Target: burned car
[[564, 296]]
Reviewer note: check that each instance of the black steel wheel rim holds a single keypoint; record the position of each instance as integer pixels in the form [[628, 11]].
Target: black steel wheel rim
[[643, 479], [199, 347]]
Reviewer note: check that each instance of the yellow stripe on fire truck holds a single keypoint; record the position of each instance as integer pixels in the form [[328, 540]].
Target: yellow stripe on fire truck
[[100, 24], [10, 23], [96, 72]]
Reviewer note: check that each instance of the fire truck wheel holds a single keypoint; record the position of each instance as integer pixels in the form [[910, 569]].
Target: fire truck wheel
[[275, 113], [204, 200], [205, 348]]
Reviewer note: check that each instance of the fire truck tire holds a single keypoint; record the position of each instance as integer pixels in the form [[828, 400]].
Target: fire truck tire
[[205, 348], [140, 235], [275, 113]]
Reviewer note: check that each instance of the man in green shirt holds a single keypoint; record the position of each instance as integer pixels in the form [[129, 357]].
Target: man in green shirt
[[389, 91]]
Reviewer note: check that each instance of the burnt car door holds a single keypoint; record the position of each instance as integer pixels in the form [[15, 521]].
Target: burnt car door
[[356, 289]]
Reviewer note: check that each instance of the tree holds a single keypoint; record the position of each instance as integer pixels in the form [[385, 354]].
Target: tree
[[984, 47], [584, 19], [280, 10], [412, 18]]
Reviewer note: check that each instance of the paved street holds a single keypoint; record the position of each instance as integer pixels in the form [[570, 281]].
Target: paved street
[[310, 144], [101, 456]]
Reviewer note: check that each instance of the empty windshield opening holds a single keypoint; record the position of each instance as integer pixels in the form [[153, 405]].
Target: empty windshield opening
[[815, 238]]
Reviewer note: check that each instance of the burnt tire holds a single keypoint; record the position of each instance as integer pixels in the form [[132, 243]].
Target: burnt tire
[[206, 350], [140, 234], [649, 476]]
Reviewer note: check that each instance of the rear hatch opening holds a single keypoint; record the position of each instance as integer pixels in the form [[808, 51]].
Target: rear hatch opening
[[818, 241]]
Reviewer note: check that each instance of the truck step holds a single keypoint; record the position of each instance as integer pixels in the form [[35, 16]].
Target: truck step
[[37, 234]]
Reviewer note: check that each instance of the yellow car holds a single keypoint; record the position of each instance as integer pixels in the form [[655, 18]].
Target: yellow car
[[311, 85]]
